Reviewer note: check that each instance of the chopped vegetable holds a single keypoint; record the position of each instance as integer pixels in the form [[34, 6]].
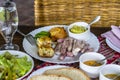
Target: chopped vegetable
[[13, 67], [78, 29], [41, 34]]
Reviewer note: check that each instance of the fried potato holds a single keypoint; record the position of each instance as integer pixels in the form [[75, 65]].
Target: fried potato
[[46, 52], [45, 47], [44, 41]]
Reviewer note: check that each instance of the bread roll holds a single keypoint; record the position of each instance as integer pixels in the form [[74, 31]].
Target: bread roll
[[73, 73], [49, 77]]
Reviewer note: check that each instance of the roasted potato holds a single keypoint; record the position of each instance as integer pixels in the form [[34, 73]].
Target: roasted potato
[[58, 33], [44, 41], [46, 52]]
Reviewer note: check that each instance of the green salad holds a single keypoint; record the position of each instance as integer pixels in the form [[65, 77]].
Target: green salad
[[13, 67]]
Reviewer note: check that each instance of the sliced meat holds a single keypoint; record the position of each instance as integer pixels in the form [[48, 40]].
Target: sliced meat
[[85, 48], [70, 44], [70, 54], [60, 40], [62, 56], [65, 43], [58, 49], [76, 51], [82, 44], [74, 44]]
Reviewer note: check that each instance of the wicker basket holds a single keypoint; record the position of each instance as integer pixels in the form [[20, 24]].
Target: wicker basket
[[51, 12]]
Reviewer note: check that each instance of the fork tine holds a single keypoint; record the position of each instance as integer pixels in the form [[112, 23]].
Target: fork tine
[[31, 39]]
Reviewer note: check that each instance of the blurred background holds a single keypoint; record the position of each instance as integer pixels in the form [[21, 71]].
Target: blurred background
[[50, 12], [25, 11]]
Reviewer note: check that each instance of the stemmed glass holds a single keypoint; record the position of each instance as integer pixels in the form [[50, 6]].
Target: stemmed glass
[[8, 24]]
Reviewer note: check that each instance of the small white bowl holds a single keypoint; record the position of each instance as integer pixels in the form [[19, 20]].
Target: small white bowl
[[109, 69], [81, 36], [92, 71]]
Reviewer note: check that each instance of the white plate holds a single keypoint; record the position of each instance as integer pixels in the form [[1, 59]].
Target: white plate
[[112, 46], [34, 52], [20, 54], [42, 70]]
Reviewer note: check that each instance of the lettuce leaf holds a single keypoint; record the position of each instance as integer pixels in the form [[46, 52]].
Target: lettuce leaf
[[13, 67]]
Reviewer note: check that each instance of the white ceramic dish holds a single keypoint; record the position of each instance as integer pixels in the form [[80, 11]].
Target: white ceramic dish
[[109, 69], [31, 50], [20, 54], [41, 70], [92, 71], [112, 46], [81, 36]]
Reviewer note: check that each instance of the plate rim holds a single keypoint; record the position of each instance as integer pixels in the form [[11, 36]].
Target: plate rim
[[60, 62]]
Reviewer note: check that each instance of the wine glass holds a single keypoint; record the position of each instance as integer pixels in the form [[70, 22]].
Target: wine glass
[[8, 24]]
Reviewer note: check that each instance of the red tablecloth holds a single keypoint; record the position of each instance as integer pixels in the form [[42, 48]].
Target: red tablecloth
[[106, 50]]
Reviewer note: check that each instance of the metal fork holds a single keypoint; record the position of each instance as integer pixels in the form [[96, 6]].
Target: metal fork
[[28, 37]]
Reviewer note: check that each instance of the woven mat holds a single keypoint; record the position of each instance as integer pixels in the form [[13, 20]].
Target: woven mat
[[49, 12], [104, 49]]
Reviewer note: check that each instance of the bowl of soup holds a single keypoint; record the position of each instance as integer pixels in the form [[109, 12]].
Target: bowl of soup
[[112, 76], [92, 63], [109, 71], [79, 30], [88, 63]]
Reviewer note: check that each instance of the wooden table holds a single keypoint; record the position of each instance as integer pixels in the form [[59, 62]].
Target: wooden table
[[26, 29]]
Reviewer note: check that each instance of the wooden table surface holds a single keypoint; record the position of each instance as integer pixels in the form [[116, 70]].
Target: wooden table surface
[[26, 29]]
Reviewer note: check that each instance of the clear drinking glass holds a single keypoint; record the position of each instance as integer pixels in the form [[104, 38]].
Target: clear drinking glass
[[8, 24]]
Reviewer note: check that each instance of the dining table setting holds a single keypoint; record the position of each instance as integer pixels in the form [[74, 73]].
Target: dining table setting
[[104, 48], [75, 51]]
